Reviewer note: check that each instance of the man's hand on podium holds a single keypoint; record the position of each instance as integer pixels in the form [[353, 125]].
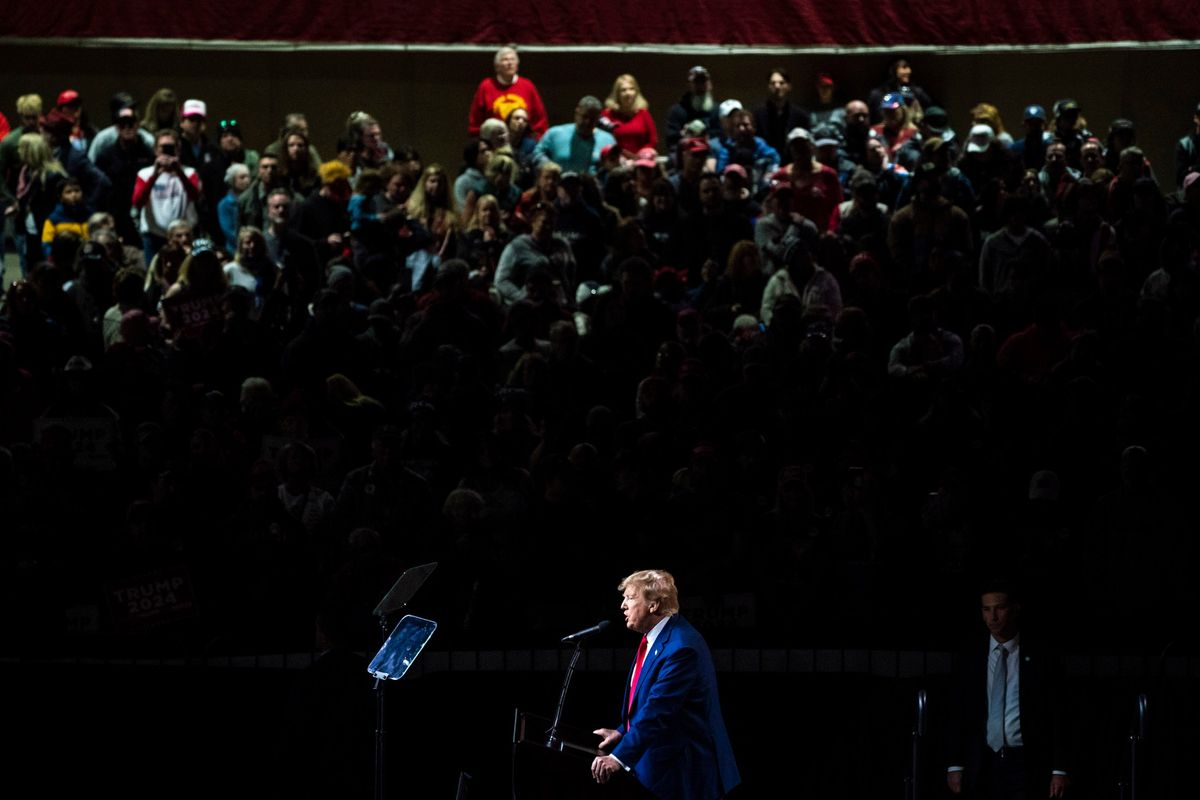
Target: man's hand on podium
[[608, 737], [604, 767]]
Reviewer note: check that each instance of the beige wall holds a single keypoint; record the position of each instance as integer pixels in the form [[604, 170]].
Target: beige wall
[[421, 98]]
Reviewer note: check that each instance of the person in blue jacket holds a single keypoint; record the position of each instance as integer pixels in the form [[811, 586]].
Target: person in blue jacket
[[575, 146], [672, 738]]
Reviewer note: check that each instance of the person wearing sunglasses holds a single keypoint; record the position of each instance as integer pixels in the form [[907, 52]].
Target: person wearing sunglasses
[[121, 161], [232, 146], [108, 136], [197, 151]]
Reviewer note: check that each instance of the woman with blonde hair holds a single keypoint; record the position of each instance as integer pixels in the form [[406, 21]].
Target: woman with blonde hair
[[988, 114], [432, 204], [897, 126], [481, 244], [38, 187], [627, 117], [252, 269], [501, 174], [162, 112], [201, 273]]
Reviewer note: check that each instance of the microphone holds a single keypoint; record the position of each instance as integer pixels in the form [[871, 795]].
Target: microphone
[[586, 632]]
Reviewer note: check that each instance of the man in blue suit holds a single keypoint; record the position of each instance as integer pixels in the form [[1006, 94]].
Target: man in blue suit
[[673, 738]]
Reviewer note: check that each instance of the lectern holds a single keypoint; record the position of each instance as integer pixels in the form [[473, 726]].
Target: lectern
[[559, 768]]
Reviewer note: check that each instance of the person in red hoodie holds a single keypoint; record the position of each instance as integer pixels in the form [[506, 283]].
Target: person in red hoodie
[[816, 190], [1031, 354], [497, 96]]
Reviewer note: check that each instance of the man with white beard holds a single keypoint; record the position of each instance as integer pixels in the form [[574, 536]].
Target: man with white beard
[[696, 103]]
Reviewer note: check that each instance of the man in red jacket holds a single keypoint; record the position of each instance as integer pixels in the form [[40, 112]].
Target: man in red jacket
[[500, 95]]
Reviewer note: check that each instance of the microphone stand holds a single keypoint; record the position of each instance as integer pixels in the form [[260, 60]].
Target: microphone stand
[[1130, 788], [553, 740], [1135, 747]]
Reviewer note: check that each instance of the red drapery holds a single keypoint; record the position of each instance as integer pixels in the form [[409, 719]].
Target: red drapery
[[814, 23]]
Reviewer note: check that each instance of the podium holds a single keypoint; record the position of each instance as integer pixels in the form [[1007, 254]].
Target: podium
[[561, 770]]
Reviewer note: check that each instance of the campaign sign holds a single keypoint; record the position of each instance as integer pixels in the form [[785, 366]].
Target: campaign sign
[[154, 598], [190, 316], [94, 440]]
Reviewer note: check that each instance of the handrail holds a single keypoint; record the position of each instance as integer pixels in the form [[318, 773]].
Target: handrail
[[912, 784]]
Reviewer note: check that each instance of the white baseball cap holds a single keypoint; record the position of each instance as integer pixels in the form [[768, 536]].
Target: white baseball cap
[[980, 138], [194, 108], [730, 106]]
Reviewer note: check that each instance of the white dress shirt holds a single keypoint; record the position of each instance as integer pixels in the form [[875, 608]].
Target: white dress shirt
[[651, 636], [1012, 693]]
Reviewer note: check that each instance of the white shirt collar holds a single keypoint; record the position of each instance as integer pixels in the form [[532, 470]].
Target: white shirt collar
[[1011, 646], [653, 633]]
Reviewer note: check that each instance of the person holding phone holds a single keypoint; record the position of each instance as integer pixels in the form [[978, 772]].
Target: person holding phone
[[164, 192]]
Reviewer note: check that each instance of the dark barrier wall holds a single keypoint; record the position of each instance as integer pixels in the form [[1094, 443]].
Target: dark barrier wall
[[421, 98], [186, 732]]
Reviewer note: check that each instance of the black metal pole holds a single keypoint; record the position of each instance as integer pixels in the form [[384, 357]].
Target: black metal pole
[[380, 729], [918, 734], [380, 736], [1135, 742], [552, 738]]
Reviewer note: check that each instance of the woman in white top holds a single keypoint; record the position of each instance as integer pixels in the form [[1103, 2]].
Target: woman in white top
[[252, 269]]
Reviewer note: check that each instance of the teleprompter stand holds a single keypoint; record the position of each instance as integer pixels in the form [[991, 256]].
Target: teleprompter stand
[[399, 652]]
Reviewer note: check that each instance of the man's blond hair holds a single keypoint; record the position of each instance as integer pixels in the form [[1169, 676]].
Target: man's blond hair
[[655, 585]]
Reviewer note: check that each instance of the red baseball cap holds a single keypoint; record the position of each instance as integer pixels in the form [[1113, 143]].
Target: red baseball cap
[[646, 157], [736, 169]]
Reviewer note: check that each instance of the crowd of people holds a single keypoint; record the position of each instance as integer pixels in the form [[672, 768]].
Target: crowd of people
[[811, 358]]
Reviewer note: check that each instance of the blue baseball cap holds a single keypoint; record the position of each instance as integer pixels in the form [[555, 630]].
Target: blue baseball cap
[[1035, 112]]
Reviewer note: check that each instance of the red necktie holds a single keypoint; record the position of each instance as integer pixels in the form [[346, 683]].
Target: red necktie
[[637, 671]]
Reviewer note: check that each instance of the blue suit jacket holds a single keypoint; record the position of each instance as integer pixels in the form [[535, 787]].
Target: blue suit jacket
[[674, 738]]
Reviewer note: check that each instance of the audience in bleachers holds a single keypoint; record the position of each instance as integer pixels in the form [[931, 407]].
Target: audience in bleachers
[[823, 370]]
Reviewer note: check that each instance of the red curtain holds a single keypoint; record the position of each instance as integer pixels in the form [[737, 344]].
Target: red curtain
[[815, 23]]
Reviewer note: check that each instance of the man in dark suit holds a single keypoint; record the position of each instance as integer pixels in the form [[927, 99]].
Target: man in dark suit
[[1008, 740], [673, 738]]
